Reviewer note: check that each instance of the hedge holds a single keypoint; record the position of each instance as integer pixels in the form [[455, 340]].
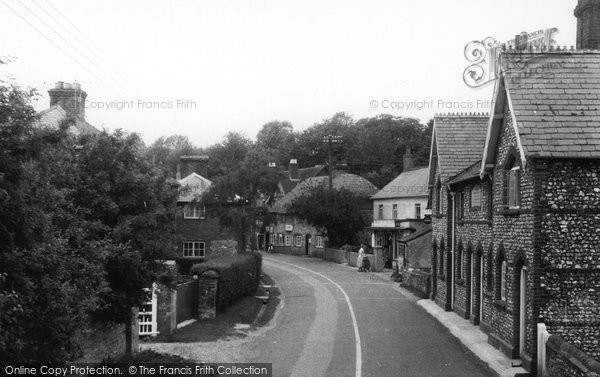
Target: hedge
[[239, 276]]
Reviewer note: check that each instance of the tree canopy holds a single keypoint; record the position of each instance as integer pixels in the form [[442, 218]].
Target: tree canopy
[[84, 223]]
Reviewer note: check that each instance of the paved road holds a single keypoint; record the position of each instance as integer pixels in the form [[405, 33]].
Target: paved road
[[336, 322]]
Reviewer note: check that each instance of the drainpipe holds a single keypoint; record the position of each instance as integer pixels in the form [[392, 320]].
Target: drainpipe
[[453, 214]]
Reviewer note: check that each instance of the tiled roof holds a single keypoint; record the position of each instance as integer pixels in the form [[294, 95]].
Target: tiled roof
[[352, 182], [460, 140], [408, 184], [467, 174], [54, 115], [556, 101]]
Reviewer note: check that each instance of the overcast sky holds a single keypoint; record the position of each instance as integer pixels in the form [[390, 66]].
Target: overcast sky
[[220, 66]]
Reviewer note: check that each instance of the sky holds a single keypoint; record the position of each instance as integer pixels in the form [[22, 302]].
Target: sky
[[202, 68]]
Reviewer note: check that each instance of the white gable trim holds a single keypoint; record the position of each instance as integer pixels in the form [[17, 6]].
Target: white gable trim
[[433, 137], [515, 128], [500, 89]]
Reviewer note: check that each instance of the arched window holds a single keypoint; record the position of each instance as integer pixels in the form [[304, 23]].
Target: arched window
[[501, 274], [512, 180]]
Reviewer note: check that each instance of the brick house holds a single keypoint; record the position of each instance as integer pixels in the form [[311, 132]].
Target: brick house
[[398, 213], [457, 143], [524, 220], [290, 234], [196, 226]]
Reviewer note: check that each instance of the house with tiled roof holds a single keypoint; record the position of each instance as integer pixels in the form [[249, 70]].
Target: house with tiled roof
[[67, 103], [398, 218], [290, 234], [522, 222], [457, 142]]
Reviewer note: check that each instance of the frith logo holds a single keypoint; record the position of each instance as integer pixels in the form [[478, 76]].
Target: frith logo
[[483, 55]]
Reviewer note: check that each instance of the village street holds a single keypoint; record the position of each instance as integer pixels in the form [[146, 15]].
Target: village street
[[326, 307]]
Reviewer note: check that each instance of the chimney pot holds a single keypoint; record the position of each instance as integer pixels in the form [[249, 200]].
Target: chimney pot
[[70, 97]]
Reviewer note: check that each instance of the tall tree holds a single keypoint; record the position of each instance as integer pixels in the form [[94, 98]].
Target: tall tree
[[279, 138], [238, 195], [336, 213], [166, 150]]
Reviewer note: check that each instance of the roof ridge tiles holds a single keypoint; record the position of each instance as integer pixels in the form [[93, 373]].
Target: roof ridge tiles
[[463, 115]]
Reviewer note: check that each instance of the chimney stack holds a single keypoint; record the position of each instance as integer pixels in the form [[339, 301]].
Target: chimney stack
[[408, 161], [294, 176], [191, 164], [588, 24], [70, 97]]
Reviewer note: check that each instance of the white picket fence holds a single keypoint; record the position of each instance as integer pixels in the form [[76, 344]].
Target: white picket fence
[[147, 315], [542, 338]]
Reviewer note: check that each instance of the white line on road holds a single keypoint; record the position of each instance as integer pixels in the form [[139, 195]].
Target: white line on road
[[354, 322]]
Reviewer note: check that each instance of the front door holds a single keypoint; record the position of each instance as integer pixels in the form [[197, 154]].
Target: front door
[[523, 311], [307, 242]]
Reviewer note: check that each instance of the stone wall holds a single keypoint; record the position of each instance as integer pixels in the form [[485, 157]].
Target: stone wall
[[418, 251], [565, 360], [335, 255], [417, 281], [109, 341], [513, 236], [570, 198]]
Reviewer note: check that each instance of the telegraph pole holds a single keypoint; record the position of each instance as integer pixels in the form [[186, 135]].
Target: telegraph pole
[[330, 140]]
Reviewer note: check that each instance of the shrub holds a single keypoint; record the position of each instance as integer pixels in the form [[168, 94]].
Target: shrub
[[222, 248], [184, 265], [239, 276]]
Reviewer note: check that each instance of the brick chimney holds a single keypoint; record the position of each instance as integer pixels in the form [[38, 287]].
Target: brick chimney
[[408, 160], [588, 24], [293, 168], [192, 164], [70, 97]]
